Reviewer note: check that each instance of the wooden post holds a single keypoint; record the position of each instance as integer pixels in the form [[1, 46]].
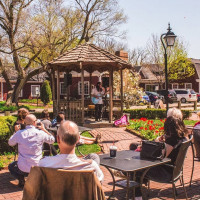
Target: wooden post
[[90, 85], [82, 92], [53, 85], [179, 105], [122, 92], [195, 105], [111, 95], [58, 91]]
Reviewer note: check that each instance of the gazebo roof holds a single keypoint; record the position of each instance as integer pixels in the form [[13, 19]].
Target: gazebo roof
[[92, 58]]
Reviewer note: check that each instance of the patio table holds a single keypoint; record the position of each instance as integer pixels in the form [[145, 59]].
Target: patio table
[[129, 161]]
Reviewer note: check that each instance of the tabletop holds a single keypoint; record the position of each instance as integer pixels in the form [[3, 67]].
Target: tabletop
[[129, 161]]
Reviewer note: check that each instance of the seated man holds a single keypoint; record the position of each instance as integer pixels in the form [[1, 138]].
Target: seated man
[[67, 138], [30, 141]]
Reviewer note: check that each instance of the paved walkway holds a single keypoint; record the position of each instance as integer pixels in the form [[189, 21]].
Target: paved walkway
[[10, 191]]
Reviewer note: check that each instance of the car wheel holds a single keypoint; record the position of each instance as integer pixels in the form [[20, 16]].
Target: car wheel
[[183, 100]]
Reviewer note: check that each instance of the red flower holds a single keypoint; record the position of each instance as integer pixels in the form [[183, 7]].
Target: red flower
[[143, 119], [141, 127], [145, 128], [157, 131], [161, 128], [151, 128]]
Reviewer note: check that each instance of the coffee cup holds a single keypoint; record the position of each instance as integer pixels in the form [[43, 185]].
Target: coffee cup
[[113, 151]]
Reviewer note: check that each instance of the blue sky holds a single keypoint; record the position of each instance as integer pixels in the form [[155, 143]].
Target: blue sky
[[147, 17]]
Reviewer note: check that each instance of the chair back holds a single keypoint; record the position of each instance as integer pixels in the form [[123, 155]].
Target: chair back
[[48, 183], [180, 158], [196, 133]]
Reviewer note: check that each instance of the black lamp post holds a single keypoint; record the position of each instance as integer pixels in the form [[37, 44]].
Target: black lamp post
[[168, 40]]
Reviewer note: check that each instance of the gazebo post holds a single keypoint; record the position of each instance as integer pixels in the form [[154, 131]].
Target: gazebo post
[[90, 84], [58, 90], [82, 92], [111, 95], [53, 87], [122, 92]]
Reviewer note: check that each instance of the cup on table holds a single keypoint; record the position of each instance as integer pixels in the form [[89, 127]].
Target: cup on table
[[113, 151]]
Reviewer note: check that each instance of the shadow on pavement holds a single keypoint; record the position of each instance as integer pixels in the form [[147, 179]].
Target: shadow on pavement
[[8, 184]]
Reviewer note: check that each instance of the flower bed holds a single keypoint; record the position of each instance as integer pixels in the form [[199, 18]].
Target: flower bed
[[146, 129]]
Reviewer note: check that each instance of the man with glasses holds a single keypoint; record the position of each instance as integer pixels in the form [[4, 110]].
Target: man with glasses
[[30, 141]]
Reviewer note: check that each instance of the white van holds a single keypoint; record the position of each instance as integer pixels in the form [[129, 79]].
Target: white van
[[185, 95]]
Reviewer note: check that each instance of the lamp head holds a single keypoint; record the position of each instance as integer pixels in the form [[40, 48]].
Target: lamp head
[[170, 37]]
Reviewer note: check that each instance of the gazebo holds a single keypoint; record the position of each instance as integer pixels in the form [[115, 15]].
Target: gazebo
[[90, 58]]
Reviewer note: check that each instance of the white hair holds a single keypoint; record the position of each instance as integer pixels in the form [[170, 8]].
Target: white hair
[[174, 112]]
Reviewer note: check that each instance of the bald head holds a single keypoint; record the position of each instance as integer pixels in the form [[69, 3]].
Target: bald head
[[68, 133], [30, 119]]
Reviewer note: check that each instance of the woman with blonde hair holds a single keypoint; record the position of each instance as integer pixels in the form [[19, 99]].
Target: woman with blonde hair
[[175, 112]]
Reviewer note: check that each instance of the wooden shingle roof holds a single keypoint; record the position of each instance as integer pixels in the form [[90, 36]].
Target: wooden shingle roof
[[92, 58]]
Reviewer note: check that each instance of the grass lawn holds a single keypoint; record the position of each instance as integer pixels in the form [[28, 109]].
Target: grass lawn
[[7, 158], [86, 149]]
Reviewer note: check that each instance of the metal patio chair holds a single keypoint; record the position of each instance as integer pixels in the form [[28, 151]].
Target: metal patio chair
[[178, 167]]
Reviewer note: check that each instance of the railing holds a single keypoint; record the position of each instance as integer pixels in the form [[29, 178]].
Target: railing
[[72, 109]]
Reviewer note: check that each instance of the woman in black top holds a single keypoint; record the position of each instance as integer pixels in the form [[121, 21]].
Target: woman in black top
[[175, 133]]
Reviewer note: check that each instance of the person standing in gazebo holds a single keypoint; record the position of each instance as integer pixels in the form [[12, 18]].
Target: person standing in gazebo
[[97, 93]]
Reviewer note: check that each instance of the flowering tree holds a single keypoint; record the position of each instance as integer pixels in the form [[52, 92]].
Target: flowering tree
[[132, 91]]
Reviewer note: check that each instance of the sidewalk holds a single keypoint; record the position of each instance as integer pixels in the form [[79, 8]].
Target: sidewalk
[[122, 139]]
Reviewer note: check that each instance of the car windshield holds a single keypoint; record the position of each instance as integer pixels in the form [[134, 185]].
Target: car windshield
[[154, 93], [192, 92]]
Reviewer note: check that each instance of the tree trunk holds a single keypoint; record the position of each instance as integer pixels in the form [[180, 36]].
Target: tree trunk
[[12, 97]]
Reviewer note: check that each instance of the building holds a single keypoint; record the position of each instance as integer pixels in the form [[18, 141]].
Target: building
[[153, 78]]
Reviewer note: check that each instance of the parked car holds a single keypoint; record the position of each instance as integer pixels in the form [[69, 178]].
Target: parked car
[[171, 95], [153, 96], [145, 98], [185, 95]]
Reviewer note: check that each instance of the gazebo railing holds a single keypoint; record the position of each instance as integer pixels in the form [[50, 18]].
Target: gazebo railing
[[72, 109]]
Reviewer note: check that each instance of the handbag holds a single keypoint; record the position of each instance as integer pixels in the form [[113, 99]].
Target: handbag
[[152, 150]]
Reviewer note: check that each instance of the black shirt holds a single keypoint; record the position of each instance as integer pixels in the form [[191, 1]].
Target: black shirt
[[23, 126], [175, 143]]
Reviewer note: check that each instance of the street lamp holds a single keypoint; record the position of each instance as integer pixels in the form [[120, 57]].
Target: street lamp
[[168, 40]]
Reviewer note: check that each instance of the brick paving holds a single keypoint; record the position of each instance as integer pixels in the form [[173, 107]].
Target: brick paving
[[10, 191]]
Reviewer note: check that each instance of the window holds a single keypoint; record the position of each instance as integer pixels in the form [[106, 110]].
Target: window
[[35, 90], [86, 88], [151, 88], [181, 91], [188, 85], [63, 89], [175, 86]]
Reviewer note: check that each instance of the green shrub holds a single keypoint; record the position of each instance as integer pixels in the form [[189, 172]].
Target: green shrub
[[25, 106], [5, 133], [46, 94], [152, 113], [8, 108]]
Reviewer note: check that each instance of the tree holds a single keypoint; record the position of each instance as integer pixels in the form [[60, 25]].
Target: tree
[[13, 40], [132, 91], [33, 34], [46, 94], [99, 19], [179, 65]]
